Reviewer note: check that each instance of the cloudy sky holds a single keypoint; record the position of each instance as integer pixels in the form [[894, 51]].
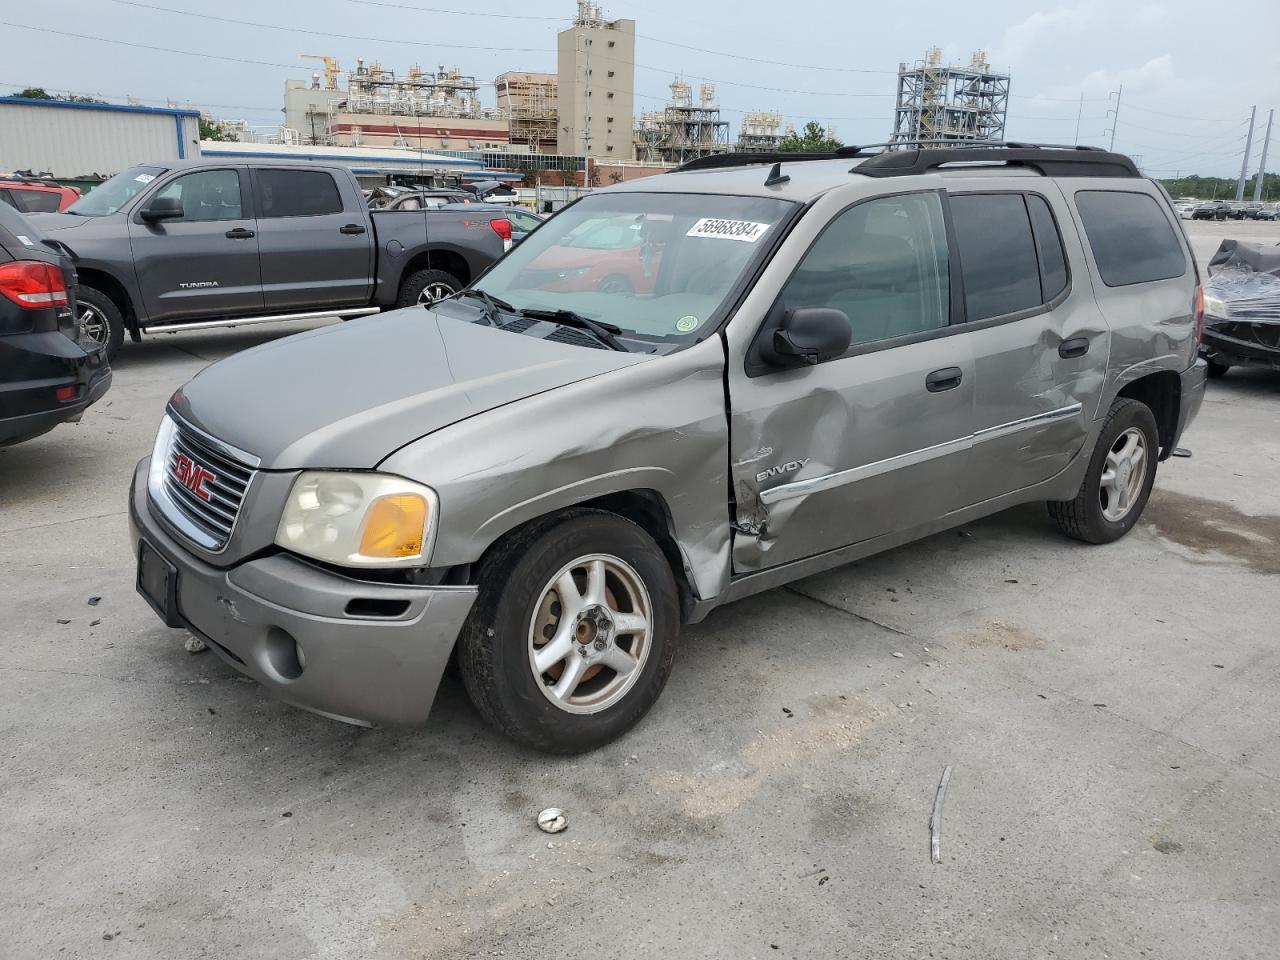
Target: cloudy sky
[[1188, 80]]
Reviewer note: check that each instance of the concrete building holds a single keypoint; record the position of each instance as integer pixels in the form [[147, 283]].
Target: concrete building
[[596, 71], [72, 140], [531, 105]]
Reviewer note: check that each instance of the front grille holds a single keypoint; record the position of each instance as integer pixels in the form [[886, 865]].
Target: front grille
[[208, 522]]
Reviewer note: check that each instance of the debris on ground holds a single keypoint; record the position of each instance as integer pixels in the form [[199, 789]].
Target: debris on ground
[[787, 711], [552, 820], [898, 655], [935, 825], [94, 601], [195, 645], [94, 623], [63, 622], [1182, 452]]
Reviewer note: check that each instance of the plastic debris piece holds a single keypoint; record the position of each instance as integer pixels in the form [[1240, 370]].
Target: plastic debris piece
[[63, 622], [552, 820], [935, 825], [897, 655], [195, 645], [94, 601]]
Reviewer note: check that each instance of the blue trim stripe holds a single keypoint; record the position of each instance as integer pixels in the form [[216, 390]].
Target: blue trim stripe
[[182, 147], [111, 107]]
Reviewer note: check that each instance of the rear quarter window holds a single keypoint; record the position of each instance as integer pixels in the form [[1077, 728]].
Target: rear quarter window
[[1131, 238]]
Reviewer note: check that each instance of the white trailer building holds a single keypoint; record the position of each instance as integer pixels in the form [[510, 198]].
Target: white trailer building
[[73, 140]]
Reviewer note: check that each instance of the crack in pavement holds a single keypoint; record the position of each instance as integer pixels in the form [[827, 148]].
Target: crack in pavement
[[849, 613], [56, 523]]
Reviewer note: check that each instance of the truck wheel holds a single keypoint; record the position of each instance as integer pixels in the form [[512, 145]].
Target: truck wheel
[[426, 287], [1118, 481], [99, 319], [1216, 370], [574, 632]]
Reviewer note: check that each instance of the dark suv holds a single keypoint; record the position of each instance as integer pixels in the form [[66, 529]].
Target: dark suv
[[46, 376]]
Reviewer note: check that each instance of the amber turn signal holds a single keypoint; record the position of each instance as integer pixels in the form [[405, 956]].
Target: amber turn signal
[[394, 526]]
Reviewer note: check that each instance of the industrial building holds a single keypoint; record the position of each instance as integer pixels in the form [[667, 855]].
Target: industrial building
[[371, 165], [531, 104], [761, 131], [88, 141], [428, 110], [683, 129], [944, 102], [596, 87]]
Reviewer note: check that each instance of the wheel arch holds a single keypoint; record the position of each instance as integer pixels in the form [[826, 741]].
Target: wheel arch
[[1161, 392], [436, 258], [109, 286], [647, 508]]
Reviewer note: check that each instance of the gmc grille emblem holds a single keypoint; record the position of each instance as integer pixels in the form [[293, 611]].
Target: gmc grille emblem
[[193, 476]]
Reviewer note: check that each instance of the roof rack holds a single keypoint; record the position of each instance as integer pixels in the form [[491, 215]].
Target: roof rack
[[1049, 159]]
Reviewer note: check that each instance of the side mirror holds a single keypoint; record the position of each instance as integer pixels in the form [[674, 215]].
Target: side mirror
[[163, 208], [807, 335]]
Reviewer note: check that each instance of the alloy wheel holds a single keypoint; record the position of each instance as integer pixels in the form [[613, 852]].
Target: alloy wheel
[[590, 634], [1123, 474], [435, 291]]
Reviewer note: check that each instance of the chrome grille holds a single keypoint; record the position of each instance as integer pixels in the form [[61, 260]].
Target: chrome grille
[[207, 522]]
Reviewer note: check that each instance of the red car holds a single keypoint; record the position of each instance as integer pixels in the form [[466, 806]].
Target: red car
[[605, 255], [37, 196]]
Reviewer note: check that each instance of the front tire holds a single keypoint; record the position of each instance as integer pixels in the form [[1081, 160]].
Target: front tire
[[574, 632], [426, 287], [1119, 478], [99, 320], [1216, 370]]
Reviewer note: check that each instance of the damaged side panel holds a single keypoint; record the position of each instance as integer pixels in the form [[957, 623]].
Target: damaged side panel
[[656, 427]]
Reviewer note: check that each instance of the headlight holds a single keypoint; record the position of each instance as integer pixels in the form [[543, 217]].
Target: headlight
[[160, 457], [359, 519], [1215, 307]]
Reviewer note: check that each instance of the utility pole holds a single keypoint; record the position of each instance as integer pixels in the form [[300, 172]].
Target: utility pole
[[1248, 149], [1115, 115], [1079, 116], [1262, 167]]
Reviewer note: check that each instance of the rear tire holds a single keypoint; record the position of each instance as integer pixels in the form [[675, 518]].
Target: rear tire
[[1116, 486], [100, 320], [1217, 370], [426, 287], [526, 615]]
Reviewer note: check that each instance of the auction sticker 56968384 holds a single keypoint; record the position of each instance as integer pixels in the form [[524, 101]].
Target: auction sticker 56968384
[[744, 230]]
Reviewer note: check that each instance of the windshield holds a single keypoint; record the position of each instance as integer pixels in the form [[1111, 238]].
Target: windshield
[[659, 266], [115, 193]]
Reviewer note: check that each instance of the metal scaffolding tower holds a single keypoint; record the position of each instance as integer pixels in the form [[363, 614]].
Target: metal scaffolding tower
[[938, 102], [683, 130]]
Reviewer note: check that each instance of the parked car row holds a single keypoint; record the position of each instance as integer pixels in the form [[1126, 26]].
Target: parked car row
[[1226, 210]]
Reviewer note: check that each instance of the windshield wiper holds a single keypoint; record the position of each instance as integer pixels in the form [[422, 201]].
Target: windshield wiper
[[606, 333], [491, 305]]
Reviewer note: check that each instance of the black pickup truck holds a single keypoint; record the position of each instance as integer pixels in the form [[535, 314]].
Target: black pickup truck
[[205, 243]]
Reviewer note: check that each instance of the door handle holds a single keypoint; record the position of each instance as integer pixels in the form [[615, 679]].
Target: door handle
[[239, 233], [351, 229], [948, 378], [1075, 347]]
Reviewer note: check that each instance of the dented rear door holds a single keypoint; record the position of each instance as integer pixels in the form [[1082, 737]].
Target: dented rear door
[[878, 440]]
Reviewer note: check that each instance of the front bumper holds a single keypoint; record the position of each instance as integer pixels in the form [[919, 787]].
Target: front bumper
[[1193, 381], [33, 367], [1234, 351], [285, 623]]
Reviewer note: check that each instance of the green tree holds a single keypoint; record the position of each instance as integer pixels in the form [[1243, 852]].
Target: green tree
[[1221, 188], [40, 93], [615, 177], [814, 139], [211, 129]]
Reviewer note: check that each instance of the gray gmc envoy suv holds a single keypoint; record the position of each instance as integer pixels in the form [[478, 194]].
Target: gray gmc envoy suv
[[675, 393]]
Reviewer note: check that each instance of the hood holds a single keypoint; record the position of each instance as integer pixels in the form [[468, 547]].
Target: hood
[[55, 222], [349, 395]]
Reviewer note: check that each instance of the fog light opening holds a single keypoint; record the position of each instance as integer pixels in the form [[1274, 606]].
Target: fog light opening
[[284, 654]]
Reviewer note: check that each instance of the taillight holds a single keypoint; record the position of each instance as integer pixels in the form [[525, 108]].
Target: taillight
[[32, 284], [1198, 306], [502, 227]]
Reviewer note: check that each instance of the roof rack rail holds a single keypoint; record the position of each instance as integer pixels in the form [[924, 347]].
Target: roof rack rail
[[1050, 161]]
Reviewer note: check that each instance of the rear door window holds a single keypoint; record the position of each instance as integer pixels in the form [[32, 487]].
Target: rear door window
[[1131, 237], [1053, 260], [296, 193], [997, 254]]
